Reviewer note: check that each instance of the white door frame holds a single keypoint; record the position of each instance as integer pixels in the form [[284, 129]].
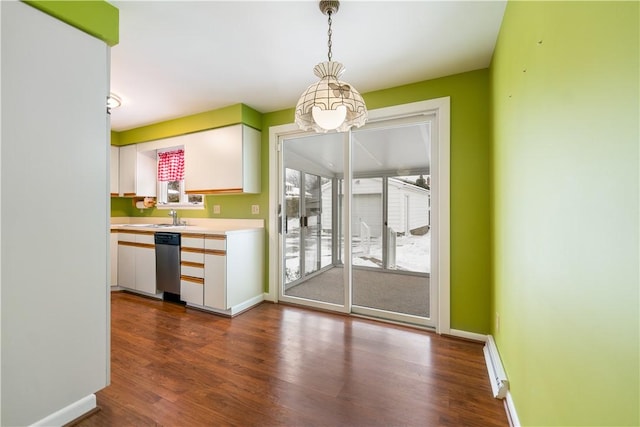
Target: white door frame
[[440, 199]]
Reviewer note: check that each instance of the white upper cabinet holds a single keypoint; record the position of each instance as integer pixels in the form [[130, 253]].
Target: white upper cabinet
[[127, 172], [137, 172], [223, 160], [114, 173]]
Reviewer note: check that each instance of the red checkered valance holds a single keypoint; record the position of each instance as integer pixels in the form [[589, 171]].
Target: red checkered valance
[[171, 166]]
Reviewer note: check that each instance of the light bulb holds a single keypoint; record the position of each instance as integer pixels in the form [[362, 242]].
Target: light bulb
[[329, 119]]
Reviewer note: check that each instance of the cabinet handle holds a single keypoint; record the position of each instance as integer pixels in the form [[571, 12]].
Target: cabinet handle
[[217, 252]]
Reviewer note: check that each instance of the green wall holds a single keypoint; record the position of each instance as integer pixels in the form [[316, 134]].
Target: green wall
[[565, 112], [470, 255], [231, 115], [97, 18]]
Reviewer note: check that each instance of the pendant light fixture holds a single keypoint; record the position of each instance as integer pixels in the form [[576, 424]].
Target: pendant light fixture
[[330, 104]]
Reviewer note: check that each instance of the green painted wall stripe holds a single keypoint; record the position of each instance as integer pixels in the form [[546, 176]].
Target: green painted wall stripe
[[231, 115], [251, 117], [115, 138], [98, 18]]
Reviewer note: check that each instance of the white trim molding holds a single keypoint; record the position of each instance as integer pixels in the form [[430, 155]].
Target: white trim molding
[[275, 132], [467, 335], [510, 407], [69, 413], [497, 375], [440, 154]]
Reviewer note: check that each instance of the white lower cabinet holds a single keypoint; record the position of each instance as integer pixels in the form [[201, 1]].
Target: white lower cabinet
[[192, 291], [215, 272], [137, 261], [222, 273], [126, 266], [192, 268], [146, 269]]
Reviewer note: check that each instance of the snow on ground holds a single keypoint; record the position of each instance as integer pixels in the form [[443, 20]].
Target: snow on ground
[[412, 253]]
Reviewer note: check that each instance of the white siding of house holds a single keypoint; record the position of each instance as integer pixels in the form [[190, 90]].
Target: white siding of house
[[367, 206]]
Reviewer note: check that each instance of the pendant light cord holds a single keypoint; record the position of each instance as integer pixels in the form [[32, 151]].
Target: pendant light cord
[[329, 33]]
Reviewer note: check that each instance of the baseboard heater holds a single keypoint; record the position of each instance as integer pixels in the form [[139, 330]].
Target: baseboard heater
[[497, 377]]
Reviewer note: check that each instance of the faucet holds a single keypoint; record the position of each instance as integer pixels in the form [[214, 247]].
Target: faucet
[[174, 215]]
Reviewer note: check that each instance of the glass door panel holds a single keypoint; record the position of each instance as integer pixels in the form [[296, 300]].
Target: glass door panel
[[409, 223], [326, 222], [312, 223], [390, 223], [292, 254], [366, 222], [312, 272]]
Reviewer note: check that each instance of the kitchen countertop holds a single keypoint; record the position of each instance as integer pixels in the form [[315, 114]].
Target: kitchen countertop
[[202, 226]]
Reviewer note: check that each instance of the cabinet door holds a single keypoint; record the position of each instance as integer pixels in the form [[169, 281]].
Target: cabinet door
[[127, 170], [251, 160], [114, 171], [192, 290], [215, 281], [213, 160], [146, 270], [146, 173], [137, 172], [126, 266]]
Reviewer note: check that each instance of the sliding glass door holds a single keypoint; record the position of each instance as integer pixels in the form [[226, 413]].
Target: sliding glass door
[[386, 272]]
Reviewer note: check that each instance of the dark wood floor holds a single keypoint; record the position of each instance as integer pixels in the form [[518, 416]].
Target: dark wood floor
[[278, 365]]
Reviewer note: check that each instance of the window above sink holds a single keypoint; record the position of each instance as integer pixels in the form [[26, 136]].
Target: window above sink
[[171, 189]]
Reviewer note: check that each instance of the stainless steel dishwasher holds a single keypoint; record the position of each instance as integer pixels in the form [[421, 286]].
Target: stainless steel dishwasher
[[168, 265]]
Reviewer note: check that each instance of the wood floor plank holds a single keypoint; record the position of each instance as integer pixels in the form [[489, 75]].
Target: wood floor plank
[[279, 365]]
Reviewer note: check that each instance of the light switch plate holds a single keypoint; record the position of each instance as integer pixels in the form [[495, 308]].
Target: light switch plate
[[216, 209], [255, 209]]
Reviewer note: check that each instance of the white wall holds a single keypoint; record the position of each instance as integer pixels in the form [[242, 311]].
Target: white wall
[[54, 215]]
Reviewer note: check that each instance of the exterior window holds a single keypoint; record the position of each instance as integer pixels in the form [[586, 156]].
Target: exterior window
[[171, 193]]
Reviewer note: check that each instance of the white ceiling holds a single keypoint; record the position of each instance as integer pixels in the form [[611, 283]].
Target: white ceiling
[[177, 58], [401, 149]]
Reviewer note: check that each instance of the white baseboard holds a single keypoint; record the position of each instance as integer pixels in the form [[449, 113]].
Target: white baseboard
[[268, 297], [510, 407], [69, 413], [468, 335], [497, 375], [237, 309]]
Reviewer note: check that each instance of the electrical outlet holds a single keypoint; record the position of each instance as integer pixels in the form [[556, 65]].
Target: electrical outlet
[[255, 209], [216, 209], [497, 322]]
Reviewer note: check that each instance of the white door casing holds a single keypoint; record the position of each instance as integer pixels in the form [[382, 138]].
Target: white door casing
[[440, 200]]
